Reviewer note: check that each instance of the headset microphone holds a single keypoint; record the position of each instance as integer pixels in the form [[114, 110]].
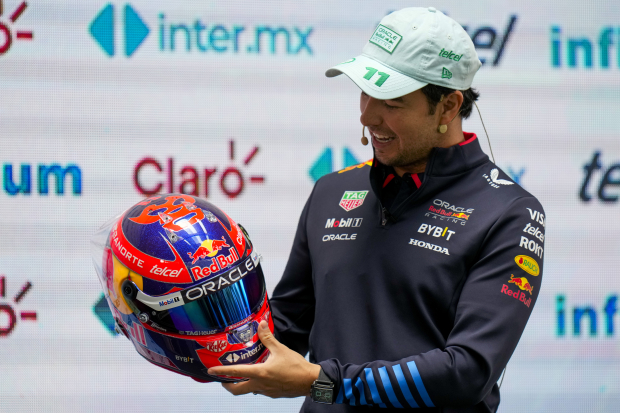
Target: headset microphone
[[364, 138]]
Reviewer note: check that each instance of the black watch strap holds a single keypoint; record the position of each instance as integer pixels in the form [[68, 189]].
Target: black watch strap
[[322, 390]]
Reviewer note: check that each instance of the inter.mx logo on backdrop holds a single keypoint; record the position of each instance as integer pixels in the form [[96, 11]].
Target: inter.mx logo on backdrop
[[8, 31], [195, 36]]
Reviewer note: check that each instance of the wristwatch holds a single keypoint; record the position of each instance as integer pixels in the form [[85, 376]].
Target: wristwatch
[[322, 390]]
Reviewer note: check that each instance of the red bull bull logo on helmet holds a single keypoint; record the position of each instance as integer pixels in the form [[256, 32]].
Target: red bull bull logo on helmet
[[208, 248]]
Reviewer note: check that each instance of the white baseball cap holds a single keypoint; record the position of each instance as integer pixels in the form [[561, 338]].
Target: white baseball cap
[[409, 49]]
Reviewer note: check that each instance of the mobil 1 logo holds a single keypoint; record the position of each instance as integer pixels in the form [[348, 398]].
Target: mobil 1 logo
[[344, 223]]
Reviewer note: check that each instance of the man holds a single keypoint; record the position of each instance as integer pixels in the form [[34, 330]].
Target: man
[[412, 276]]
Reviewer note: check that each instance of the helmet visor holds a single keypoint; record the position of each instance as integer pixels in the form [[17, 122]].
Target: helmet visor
[[205, 308]]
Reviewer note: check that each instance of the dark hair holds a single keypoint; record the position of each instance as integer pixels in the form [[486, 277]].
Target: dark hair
[[433, 95]]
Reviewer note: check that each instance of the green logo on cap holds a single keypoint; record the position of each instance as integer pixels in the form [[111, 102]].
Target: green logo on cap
[[446, 74], [382, 76], [385, 38]]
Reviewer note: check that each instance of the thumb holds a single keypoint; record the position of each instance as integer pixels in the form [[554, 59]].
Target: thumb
[[267, 338]]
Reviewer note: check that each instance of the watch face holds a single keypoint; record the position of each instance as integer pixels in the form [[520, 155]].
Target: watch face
[[322, 395]]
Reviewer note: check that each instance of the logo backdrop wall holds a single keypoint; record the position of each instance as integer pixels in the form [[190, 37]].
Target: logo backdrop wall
[[102, 104]]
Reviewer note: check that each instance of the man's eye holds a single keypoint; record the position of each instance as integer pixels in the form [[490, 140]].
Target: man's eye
[[387, 105]]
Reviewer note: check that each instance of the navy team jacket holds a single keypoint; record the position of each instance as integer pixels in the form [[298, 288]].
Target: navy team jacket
[[421, 307]]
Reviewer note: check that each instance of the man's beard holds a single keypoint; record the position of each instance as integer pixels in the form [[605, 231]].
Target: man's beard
[[415, 156]]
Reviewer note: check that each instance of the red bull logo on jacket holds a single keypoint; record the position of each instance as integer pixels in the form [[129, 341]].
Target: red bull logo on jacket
[[208, 248], [523, 284]]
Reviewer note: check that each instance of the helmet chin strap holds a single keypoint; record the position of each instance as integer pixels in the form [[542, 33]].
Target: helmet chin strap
[[485, 132]]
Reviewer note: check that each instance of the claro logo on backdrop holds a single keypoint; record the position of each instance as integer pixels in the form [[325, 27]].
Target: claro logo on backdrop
[[155, 175], [24, 185], [8, 31], [195, 36], [10, 313]]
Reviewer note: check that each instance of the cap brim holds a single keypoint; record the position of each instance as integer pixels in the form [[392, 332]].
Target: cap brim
[[384, 83]]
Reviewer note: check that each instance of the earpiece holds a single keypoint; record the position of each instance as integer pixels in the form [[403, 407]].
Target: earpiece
[[442, 128]]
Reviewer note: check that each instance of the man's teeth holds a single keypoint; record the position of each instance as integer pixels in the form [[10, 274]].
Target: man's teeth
[[381, 138]]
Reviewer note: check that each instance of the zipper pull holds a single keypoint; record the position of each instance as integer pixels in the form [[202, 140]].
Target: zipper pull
[[384, 214]]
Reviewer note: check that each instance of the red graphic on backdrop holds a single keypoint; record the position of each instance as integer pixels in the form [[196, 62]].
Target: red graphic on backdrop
[[5, 29], [170, 212], [232, 179], [10, 320]]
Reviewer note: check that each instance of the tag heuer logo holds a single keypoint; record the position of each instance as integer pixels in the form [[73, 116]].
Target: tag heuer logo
[[446, 74], [385, 38], [352, 199]]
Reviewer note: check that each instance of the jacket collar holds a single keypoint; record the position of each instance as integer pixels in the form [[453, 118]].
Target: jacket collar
[[442, 162]]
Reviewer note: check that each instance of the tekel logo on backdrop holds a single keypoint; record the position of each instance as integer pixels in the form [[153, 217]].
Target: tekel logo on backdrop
[[580, 50], [489, 39], [231, 179], [6, 28], [43, 176], [8, 314], [610, 178], [195, 36]]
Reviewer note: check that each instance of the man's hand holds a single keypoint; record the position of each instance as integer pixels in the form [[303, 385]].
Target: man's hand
[[284, 374]]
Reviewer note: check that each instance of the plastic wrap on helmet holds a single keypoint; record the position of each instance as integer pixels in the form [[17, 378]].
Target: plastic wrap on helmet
[[100, 250]]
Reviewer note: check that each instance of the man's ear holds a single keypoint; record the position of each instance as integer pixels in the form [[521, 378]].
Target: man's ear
[[451, 105]]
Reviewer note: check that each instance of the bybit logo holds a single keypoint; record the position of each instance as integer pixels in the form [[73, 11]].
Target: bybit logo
[[198, 37], [6, 34]]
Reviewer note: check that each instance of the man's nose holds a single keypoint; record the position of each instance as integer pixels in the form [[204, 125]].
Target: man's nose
[[371, 112]]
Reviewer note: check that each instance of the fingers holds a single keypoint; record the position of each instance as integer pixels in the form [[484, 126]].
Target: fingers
[[248, 371], [237, 389], [268, 339]]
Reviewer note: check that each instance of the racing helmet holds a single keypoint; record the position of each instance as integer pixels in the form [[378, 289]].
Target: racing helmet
[[184, 285]]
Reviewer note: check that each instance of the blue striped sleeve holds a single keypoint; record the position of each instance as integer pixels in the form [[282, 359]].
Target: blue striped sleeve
[[402, 382], [360, 388], [340, 395], [348, 391], [370, 380], [387, 386], [417, 379]]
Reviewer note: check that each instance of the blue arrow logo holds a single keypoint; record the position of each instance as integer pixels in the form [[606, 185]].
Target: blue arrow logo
[[324, 164], [103, 313], [102, 29], [135, 30]]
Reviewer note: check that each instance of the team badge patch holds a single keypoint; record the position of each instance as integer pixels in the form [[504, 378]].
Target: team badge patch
[[352, 199]]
